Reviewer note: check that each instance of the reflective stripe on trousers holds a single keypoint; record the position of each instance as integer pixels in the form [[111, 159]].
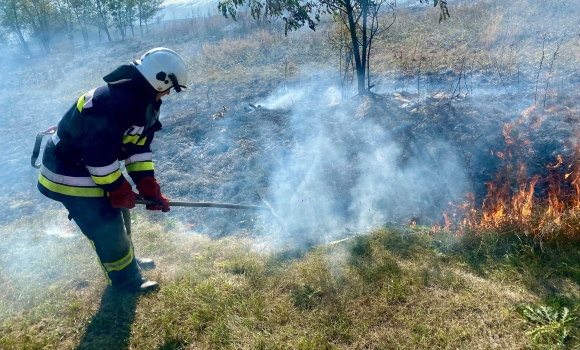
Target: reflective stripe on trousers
[[105, 227]]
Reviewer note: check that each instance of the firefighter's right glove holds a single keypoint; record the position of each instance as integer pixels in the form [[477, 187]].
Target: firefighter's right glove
[[124, 197], [150, 190]]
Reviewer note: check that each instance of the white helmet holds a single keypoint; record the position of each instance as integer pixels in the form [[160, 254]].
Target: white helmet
[[163, 69]]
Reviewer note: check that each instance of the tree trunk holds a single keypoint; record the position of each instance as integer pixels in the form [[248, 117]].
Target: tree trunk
[[38, 19], [365, 14], [83, 28], [140, 15], [18, 29], [23, 43], [360, 71], [103, 19], [140, 23], [369, 64]]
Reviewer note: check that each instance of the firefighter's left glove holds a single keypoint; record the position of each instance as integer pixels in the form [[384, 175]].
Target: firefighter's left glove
[[150, 190], [124, 197]]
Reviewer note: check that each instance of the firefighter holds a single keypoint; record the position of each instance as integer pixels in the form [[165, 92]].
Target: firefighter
[[81, 169]]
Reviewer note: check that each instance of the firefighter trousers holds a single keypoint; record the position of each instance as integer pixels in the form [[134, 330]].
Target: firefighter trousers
[[109, 233]]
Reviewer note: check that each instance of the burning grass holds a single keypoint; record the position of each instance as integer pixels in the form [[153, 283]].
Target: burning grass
[[545, 206]]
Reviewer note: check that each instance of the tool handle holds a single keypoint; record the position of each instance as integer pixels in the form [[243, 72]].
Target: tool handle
[[207, 205]]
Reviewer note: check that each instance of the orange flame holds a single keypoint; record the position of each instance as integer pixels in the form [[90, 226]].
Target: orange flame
[[507, 129], [510, 201], [522, 201]]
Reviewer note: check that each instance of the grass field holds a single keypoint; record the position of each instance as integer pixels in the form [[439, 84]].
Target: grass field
[[394, 288]]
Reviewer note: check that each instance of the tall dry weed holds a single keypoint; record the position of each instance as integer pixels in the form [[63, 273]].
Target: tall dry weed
[[489, 36]]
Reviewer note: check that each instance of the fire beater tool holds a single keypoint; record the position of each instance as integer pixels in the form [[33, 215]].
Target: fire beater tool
[[251, 207], [52, 130], [127, 213], [208, 205]]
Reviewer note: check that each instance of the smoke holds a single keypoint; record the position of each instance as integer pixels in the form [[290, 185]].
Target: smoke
[[387, 192], [42, 257], [344, 175]]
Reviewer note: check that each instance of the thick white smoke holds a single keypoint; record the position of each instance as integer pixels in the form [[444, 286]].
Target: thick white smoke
[[344, 174]]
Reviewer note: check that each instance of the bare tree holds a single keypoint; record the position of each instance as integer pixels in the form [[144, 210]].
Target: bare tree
[[366, 31]]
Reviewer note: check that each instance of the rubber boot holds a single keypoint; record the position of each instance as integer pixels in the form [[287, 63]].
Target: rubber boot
[[145, 263], [140, 285]]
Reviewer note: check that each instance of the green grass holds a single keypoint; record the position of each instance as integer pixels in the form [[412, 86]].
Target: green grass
[[393, 288]]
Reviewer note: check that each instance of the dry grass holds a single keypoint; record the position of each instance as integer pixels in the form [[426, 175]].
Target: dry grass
[[501, 38]]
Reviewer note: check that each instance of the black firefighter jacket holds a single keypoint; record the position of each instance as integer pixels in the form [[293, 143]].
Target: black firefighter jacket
[[111, 124]]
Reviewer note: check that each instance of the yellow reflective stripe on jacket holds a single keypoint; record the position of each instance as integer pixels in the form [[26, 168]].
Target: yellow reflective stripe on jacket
[[81, 103], [71, 190], [108, 179], [139, 166], [134, 139], [85, 100], [121, 263]]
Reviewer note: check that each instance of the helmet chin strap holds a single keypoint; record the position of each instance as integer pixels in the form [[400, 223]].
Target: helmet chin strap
[[174, 81]]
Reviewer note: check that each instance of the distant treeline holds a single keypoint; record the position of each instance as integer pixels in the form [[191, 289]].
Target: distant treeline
[[24, 20]]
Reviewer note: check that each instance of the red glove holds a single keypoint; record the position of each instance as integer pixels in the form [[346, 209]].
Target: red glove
[[124, 197], [150, 190]]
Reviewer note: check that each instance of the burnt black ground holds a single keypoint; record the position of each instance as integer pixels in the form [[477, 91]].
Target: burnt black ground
[[440, 144]]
